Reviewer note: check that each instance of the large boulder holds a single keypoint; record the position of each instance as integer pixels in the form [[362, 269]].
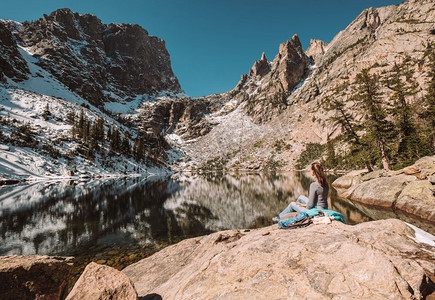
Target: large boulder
[[373, 260], [99, 282], [418, 199], [348, 179], [382, 192], [34, 277], [408, 190]]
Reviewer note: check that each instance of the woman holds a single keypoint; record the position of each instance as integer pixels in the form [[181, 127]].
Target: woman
[[318, 196]]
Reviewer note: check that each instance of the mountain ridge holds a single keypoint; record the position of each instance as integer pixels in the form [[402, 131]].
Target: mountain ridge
[[100, 62], [266, 121], [286, 123]]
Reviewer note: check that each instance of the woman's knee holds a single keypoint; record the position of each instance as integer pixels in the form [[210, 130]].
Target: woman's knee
[[294, 206], [302, 199]]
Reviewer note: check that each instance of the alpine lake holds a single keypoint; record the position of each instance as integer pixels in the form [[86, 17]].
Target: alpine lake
[[119, 221]]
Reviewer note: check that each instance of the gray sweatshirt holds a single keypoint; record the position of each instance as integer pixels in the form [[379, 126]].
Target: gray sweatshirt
[[318, 196]]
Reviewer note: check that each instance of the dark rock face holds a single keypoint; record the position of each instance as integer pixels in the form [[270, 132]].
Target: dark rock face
[[100, 62], [185, 116], [12, 63], [261, 67], [34, 277]]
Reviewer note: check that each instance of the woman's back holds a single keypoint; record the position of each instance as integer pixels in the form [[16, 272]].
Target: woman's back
[[318, 196]]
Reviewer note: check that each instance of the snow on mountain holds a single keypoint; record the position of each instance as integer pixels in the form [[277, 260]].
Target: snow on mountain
[[55, 223], [24, 102]]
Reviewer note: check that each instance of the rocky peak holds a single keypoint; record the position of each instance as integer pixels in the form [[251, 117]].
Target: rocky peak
[[290, 65], [100, 62], [261, 67], [268, 85], [316, 49], [263, 56], [12, 64], [68, 21]]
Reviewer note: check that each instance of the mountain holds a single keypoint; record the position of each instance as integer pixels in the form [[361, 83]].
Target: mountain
[[274, 113], [99, 62], [71, 89], [275, 110]]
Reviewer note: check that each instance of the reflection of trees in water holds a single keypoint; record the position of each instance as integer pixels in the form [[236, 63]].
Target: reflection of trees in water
[[58, 218], [65, 217], [352, 214], [243, 201]]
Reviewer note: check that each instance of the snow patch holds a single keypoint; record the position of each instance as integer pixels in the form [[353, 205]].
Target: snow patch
[[125, 107], [422, 236]]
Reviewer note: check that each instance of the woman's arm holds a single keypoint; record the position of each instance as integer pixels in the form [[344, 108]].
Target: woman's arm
[[312, 197]]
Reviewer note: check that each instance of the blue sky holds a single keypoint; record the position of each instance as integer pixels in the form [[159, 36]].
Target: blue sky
[[212, 43]]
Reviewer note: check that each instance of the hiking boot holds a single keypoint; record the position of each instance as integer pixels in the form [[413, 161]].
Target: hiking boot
[[275, 219]]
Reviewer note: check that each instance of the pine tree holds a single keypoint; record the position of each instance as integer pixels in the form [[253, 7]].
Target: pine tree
[[126, 145], [139, 149], [345, 118], [342, 116], [378, 130], [109, 133], [409, 146], [99, 130], [90, 153], [115, 142], [97, 133], [46, 114], [428, 113], [71, 118], [331, 159], [81, 124], [87, 130]]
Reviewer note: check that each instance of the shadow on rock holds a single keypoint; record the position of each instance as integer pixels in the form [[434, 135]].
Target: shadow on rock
[[151, 297]]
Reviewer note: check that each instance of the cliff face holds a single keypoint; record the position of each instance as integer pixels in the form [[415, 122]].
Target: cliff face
[[268, 84], [67, 65], [378, 38], [100, 62], [276, 106], [12, 64]]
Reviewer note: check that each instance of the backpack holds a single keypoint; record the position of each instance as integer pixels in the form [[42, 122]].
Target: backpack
[[302, 220]]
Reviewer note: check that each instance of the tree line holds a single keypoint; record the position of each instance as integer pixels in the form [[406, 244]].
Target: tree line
[[390, 134], [95, 139]]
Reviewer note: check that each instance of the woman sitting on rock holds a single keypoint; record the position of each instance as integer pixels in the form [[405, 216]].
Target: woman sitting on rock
[[318, 196]]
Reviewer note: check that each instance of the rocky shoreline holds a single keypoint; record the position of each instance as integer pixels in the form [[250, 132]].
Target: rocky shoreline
[[410, 190], [385, 259]]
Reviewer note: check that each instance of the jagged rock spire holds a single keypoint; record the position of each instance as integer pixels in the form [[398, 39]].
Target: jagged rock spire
[[261, 67], [263, 56]]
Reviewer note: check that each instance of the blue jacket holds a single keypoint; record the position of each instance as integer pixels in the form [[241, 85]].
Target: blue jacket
[[311, 213]]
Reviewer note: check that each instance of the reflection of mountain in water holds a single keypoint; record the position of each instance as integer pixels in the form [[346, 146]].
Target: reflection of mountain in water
[[62, 218], [57, 217], [224, 202]]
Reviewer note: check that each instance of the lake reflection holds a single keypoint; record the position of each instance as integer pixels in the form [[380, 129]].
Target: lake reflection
[[66, 218]]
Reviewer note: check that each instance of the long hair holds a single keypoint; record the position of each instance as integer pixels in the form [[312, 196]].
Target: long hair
[[319, 173]]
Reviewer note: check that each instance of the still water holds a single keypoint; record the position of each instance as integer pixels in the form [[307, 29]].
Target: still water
[[138, 214]]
